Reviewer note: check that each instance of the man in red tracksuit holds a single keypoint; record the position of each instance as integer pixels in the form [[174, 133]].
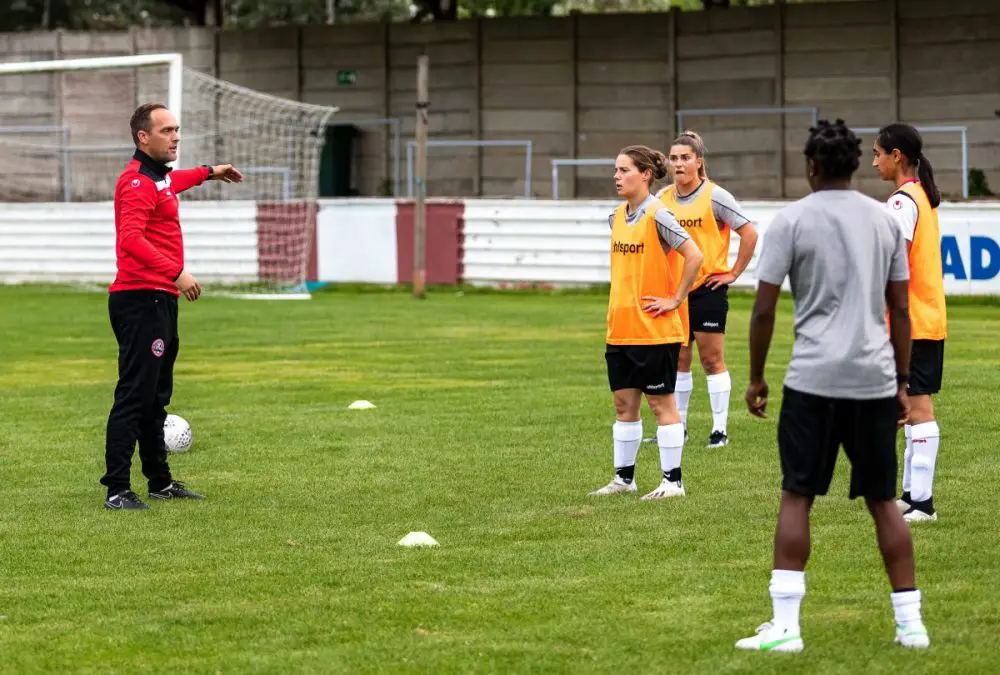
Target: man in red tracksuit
[[142, 304]]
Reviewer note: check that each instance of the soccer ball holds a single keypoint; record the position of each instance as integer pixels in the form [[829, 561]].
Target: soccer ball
[[177, 434]]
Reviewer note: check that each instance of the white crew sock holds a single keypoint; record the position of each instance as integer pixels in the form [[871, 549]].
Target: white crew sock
[[626, 436], [670, 438], [719, 386], [787, 588], [682, 391], [906, 607], [925, 438], [907, 457]]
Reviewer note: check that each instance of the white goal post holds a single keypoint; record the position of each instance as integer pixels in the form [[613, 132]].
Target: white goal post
[[64, 137], [174, 63]]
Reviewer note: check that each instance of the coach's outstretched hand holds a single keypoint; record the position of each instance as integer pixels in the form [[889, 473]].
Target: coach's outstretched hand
[[757, 398], [227, 173]]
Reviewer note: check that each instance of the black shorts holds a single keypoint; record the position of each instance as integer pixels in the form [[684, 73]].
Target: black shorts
[[811, 430], [708, 309], [649, 368], [926, 367]]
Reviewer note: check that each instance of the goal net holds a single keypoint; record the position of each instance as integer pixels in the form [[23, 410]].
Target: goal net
[[65, 138]]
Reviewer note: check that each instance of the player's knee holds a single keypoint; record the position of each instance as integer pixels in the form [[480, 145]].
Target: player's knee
[[684, 360], [921, 409], [626, 409], [713, 363]]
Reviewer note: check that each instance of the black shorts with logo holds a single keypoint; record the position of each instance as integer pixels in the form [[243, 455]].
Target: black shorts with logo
[[708, 309], [649, 368], [926, 367], [811, 430]]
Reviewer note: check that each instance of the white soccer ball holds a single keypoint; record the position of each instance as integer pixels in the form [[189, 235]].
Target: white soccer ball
[[177, 434]]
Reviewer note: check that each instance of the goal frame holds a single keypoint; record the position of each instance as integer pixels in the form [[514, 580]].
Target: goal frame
[[173, 61]]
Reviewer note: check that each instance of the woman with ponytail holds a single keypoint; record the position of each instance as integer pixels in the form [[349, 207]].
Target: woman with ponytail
[[899, 158], [710, 214]]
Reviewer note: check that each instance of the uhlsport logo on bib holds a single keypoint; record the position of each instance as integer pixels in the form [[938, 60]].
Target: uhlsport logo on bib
[[158, 347], [626, 248]]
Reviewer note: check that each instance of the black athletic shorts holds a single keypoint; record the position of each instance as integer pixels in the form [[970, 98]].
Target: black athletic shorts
[[708, 309], [926, 367], [649, 368], [811, 430]]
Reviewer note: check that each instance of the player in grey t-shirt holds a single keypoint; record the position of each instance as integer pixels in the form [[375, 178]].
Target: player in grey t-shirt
[[846, 384]]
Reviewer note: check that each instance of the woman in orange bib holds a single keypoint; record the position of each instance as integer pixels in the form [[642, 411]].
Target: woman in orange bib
[[709, 214], [653, 264], [899, 158]]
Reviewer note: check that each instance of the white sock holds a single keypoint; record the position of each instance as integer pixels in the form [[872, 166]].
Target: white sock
[[626, 436], [719, 387], [925, 438], [787, 589], [682, 390], [907, 457], [906, 607], [670, 438]]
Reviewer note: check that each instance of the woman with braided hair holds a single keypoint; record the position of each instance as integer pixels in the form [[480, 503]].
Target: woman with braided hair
[[845, 258], [899, 158]]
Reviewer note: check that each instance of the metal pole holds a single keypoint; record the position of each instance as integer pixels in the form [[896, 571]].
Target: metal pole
[[67, 167], [555, 180], [409, 169], [395, 158], [527, 172], [420, 208], [965, 163]]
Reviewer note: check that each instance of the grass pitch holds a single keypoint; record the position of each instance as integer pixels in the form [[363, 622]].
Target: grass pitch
[[493, 423]]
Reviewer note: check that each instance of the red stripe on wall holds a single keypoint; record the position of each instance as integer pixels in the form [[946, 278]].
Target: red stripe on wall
[[445, 238], [286, 232]]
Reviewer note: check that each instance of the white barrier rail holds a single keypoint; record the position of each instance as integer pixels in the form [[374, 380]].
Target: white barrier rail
[[76, 242], [567, 242]]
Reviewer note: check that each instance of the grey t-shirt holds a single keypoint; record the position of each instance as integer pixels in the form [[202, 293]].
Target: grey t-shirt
[[672, 235], [839, 249]]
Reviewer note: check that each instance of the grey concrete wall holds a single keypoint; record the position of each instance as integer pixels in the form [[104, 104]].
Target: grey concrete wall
[[584, 86]]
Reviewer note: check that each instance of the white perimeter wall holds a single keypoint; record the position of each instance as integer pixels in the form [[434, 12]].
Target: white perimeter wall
[[76, 242], [567, 242], [514, 241], [356, 241]]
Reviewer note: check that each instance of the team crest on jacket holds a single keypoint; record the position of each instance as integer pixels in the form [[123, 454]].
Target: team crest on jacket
[[158, 347], [135, 182]]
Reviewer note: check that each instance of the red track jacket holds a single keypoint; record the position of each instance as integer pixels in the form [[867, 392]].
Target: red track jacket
[[150, 246]]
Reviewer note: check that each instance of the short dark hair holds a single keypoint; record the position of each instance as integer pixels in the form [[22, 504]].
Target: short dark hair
[[142, 118], [835, 150]]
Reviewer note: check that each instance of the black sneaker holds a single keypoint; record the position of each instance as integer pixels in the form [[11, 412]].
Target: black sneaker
[[904, 502], [718, 439], [175, 490], [125, 500], [921, 511]]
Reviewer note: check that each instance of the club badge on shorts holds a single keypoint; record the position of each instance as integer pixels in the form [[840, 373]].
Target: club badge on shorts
[[158, 347]]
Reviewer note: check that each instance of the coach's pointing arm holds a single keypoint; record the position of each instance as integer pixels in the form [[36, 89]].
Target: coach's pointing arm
[[185, 179]]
